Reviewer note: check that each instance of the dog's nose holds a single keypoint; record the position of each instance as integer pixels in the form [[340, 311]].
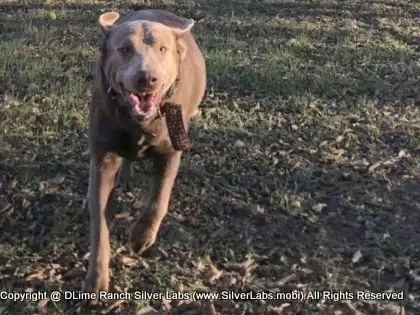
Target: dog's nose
[[146, 81]]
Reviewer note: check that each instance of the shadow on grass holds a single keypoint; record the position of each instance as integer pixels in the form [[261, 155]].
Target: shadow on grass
[[302, 65], [307, 61], [366, 13], [311, 208]]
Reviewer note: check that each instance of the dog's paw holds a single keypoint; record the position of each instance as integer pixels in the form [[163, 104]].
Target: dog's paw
[[142, 236], [96, 281]]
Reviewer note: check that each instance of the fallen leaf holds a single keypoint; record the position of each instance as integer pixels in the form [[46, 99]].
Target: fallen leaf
[[239, 144], [356, 256], [144, 264], [403, 153], [374, 166], [319, 206], [259, 209], [52, 15], [278, 309], [124, 216], [337, 152], [120, 249], [284, 280], [129, 262], [36, 276], [216, 273], [148, 311], [243, 268], [59, 179], [42, 303], [75, 272]]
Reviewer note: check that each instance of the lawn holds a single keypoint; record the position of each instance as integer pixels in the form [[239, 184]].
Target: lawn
[[304, 172]]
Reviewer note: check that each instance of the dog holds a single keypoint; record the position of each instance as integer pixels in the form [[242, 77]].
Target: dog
[[150, 79]]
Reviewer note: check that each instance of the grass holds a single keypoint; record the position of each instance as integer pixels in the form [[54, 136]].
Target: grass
[[324, 194]]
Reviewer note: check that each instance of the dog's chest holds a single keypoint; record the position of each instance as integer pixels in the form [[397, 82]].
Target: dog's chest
[[133, 148], [134, 145]]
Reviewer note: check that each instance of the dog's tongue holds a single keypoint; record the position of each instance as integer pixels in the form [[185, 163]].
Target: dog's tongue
[[133, 99], [142, 103]]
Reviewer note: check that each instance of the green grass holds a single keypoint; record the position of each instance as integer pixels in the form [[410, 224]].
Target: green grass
[[325, 97]]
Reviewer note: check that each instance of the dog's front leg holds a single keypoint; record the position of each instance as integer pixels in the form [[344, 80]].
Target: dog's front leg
[[102, 178], [144, 231]]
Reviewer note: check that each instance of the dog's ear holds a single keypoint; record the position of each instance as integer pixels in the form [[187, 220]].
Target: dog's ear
[[107, 20], [186, 26], [179, 32]]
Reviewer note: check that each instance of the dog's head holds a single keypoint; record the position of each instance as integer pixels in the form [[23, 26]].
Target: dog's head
[[141, 60]]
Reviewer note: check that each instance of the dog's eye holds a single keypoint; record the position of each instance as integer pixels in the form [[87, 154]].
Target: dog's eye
[[124, 50], [163, 49]]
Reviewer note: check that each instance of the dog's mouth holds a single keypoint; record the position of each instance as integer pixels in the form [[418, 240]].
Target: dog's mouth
[[144, 105]]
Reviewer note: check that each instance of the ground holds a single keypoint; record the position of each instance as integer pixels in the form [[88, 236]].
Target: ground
[[304, 172]]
